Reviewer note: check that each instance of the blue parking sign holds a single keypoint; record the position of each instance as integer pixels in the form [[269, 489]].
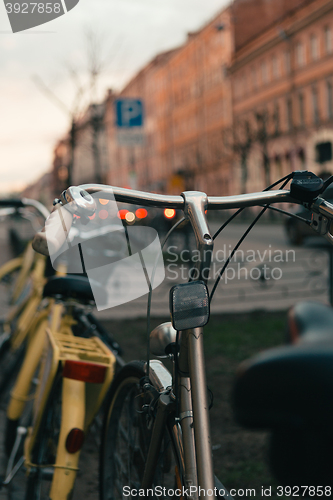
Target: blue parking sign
[[129, 113]]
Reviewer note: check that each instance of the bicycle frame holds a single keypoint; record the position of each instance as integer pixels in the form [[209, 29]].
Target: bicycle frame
[[194, 409]]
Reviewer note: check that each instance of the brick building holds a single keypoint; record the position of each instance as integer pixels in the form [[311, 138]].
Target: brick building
[[187, 98], [282, 80], [245, 100]]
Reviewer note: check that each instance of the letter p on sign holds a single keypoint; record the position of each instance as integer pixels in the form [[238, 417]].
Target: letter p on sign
[[129, 113]]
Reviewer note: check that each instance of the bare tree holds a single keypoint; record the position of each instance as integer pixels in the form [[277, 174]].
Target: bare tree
[[258, 127], [263, 136], [240, 139], [83, 111]]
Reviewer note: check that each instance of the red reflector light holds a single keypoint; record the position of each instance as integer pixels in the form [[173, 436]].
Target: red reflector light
[[122, 214], [169, 213], [141, 213], [86, 372], [74, 440]]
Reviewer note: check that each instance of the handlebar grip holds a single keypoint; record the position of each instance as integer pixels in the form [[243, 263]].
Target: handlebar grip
[[11, 202], [54, 234]]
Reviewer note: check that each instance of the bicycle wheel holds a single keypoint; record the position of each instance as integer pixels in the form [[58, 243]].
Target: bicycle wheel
[[44, 454], [125, 441]]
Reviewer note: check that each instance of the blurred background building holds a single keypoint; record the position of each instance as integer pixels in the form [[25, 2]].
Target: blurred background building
[[245, 100]]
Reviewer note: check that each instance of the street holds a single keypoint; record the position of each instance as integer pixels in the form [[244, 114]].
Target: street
[[267, 273]]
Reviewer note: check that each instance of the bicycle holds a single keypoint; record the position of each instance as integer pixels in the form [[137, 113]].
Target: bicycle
[[156, 431], [50, 413], [23, 278]]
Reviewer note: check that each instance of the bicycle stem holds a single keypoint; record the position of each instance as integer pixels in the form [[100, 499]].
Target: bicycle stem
[[195, 207]]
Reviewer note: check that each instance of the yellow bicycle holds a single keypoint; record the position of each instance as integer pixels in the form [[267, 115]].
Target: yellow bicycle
[[77, 360]]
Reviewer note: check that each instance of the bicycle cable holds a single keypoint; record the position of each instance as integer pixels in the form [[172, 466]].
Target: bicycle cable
[[240, 241], [284, 212], [150, 286], [286, 177]]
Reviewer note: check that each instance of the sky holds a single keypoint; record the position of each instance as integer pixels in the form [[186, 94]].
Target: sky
[[133, 32]]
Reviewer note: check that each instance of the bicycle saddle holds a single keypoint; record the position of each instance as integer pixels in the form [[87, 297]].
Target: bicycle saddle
[[69, 287], [310, 321], [289, 385]]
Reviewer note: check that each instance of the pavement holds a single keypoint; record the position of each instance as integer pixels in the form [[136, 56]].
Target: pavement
[[267, 273]]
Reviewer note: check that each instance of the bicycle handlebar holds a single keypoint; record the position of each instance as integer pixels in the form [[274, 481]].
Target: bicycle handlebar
[[37, 205], [11, 202], [78, 200], [177, 202], [25, 202]]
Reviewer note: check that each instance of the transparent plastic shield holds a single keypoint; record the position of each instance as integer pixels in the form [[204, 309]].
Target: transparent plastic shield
[[131, 277], [119, 260]]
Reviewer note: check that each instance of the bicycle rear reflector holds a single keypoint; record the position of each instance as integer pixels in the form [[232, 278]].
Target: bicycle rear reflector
[[189, 305], [74, 440], [87, 372]]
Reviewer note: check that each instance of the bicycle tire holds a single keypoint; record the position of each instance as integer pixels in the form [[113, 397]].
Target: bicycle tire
[[10, 362], [127, 446], [9, 274], [39, 480]]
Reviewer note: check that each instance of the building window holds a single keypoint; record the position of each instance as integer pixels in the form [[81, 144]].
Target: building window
[[315, 109], [300, 55], [289, 114], [323, 152], [301, 108], [287, 64], [275, 67], [264, 72], [328, 39], [329, 100], [314, 47]]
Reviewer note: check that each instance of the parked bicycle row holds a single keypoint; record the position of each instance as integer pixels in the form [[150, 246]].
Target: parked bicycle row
[[59, 368]]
